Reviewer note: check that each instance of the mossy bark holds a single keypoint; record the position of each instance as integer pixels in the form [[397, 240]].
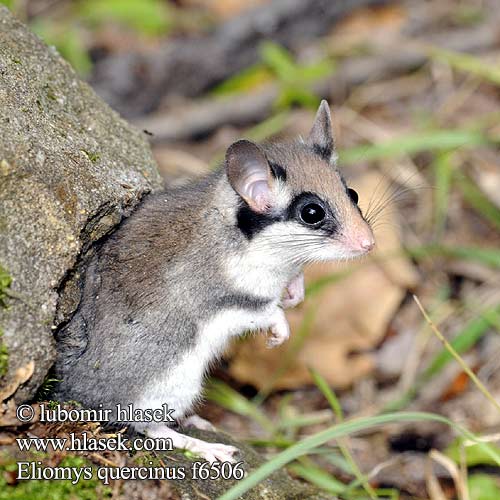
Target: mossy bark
[[278, 486], [70, 169]]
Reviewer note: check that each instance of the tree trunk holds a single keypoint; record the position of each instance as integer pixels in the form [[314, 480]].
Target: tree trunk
[[70, 169]]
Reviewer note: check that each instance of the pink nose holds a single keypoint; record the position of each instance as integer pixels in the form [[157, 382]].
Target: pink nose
[[367, 244]]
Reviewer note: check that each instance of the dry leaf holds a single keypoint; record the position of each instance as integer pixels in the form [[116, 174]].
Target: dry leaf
[[433, 487], [22, 375], [459, 476]]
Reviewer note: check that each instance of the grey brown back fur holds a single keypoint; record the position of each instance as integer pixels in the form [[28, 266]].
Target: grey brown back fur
[[153, 283]]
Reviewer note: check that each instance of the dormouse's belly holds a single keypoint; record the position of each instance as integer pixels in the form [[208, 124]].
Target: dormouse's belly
[[180, 386]]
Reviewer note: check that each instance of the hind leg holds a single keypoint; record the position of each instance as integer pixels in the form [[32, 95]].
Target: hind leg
[[211, 452], [198, 423]]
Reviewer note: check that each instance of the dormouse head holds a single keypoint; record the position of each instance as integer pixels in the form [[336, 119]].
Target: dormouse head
[[293, 200]]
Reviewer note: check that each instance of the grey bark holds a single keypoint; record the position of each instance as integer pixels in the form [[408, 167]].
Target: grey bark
[[277, 486], [70, 169]]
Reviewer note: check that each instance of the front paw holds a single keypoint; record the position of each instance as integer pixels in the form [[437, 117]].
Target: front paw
[[294, 292], [279, 330]]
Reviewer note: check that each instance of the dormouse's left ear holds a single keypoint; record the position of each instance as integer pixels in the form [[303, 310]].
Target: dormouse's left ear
[[249, 174], [320, 137]]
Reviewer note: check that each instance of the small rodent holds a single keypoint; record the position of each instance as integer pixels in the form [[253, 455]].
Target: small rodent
[[194, 266]]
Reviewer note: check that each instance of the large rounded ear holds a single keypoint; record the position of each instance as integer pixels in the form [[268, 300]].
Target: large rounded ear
[[321, 137], [249, 174]]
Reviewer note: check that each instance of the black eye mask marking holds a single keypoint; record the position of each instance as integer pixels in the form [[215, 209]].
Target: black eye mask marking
[[251, 223]]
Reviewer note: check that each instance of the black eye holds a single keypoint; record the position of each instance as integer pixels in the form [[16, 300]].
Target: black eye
[[353, 195], [312, 213]]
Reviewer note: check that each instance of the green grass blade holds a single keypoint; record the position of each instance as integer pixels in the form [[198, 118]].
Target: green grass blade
[[467, 63], [246, 80], [332, 399], [487, 256], [330, 396], [440, 140], [471, 453], [337, 460], [483, 487], [465, 367], [279, 60], [346, 428], [225, 396], [464, 340], [304, 420], [443, 173], [269, 127], [149, 17], [476, 198], [278, 442], [319, 477]]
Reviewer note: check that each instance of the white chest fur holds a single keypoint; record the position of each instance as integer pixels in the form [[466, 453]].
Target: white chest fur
[[181, 385]]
